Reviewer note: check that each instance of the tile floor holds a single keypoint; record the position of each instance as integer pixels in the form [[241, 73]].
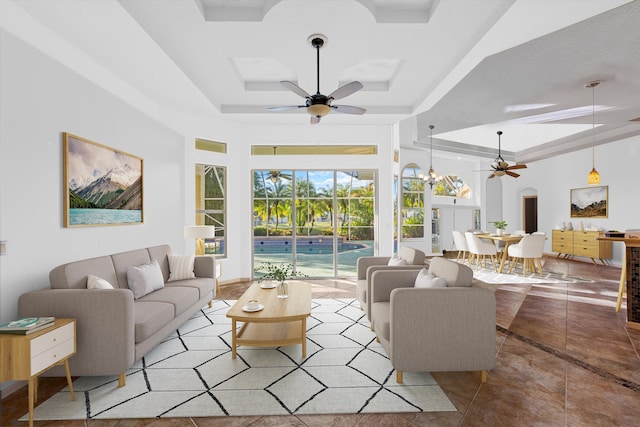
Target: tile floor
[[564, 358]]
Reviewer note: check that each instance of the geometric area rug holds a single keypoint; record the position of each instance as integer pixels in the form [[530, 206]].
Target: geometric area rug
[[191, 374]]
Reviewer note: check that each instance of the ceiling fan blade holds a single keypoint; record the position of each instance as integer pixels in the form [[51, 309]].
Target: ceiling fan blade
[[345, 90], [513, 174], [492, 176], [315, 120], [295, 88], [519, 166], [288, 107], [348, 109]]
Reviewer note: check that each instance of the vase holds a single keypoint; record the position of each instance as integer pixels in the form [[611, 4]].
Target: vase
[[499, 231], [283, 290]]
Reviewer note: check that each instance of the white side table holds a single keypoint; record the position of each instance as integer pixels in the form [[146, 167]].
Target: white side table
[[24, 357]]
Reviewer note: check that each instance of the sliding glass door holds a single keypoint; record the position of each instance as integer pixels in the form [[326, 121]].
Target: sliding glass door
[[319, 221]]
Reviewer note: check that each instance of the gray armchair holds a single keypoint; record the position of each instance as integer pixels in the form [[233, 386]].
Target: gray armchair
[[434, 329], [367, 265]]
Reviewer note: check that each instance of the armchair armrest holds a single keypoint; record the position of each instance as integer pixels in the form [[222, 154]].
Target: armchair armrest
[[105, 325], [364, 262]]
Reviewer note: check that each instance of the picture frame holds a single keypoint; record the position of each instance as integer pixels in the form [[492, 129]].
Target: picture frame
[[590, 202], [102, 185]]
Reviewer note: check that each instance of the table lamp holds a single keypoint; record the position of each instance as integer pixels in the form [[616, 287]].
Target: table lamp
[[199, 232]]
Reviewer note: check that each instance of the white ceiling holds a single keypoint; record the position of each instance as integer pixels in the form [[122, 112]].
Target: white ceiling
[[469, 67]]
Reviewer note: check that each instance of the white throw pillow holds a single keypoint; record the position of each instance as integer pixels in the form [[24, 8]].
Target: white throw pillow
[[144, 279], [181, 267], [394, 260], [428, 280], [95, 282]]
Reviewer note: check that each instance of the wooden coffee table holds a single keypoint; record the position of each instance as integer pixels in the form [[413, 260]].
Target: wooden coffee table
[[283, 321]]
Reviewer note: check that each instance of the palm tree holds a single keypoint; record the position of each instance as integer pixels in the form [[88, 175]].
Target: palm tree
[[278, 192]]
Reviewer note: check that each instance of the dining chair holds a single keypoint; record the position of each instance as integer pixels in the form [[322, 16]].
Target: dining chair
[[480, 249], [529, 250], [461, 244]]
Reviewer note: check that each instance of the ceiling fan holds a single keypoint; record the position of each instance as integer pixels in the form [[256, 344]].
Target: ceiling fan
[[500, 167], [319, 105], [275, 176]]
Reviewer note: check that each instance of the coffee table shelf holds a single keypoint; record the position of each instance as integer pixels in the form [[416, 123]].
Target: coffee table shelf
[[283, 321]]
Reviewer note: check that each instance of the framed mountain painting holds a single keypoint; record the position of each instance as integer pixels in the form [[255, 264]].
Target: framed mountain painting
[[102, 185], [590, 202]]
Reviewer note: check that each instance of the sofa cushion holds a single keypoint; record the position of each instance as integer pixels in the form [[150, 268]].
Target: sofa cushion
[[395, 260], [95, 282], [73, 275], [203, 285], [123, 260], [181, 297], [424, 279], [160, 253], [381, 319], [145, 279], [150, 317], [181, 267]]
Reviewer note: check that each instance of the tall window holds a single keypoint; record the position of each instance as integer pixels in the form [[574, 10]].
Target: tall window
[[412, 203], [319, 221], [211, 205]]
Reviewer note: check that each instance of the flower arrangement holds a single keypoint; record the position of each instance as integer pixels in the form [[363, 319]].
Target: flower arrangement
[[279, 272]]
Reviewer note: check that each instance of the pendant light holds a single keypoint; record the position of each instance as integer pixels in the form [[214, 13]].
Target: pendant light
[[431, 176], [594, 176]]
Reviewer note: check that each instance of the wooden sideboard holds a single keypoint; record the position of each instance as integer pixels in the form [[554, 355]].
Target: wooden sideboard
[[580, 243]]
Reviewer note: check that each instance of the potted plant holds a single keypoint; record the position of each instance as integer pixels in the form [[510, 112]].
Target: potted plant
[[500, 226], [279, 273]]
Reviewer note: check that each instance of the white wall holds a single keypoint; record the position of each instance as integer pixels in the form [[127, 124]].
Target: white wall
[[41, 98], [553, 179]]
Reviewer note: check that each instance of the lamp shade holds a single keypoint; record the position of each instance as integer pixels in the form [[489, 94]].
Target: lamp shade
[[199, 231]]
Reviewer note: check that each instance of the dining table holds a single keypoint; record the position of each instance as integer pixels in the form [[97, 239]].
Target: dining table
[[508, 239]]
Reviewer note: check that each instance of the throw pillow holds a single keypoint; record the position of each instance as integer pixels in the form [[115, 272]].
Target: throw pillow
[[144, 279], [394, 260], [181, 267], [95, 282], [428, 280]]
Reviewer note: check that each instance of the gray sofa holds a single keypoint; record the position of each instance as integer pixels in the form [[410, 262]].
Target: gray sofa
[[113, 330], [367, 265], [451, 328]]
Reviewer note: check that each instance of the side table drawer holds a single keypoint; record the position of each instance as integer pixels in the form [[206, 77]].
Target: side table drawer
[[51, 356], [51, 339]]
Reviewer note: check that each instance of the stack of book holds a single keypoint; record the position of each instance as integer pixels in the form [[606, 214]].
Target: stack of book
[[26, 326]]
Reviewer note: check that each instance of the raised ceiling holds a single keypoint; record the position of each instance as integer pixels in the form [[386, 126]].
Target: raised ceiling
[[469, 67]]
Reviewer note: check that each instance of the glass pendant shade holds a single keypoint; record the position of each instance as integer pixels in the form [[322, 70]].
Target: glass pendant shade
[[318, 110], [594, 177]]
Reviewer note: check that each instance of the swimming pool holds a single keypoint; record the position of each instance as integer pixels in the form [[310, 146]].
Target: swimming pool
[[314, 259]]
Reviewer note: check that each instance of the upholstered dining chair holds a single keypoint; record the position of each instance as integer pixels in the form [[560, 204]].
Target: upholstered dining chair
[[480, 249], [529, 250], [461, 244]]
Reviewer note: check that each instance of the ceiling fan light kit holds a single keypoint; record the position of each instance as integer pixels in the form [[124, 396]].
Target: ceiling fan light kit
[[500, 167], [594, 176], [320, 105]]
